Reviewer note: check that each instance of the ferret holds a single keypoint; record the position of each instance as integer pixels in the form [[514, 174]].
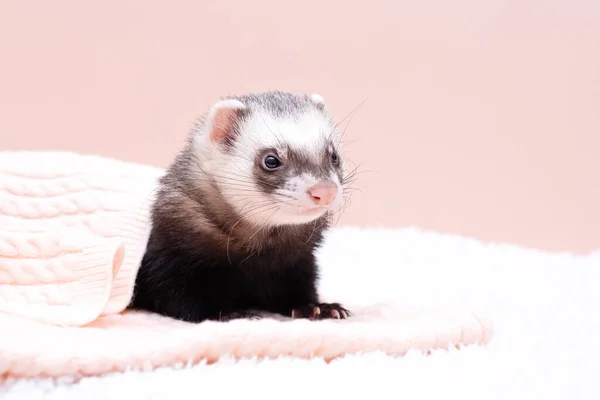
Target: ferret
[[241, 210]]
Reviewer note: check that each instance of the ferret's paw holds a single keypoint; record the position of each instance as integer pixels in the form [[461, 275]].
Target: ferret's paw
[[238, 315], [321, 311]]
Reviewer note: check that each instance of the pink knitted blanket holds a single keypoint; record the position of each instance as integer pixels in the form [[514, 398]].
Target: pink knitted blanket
[[72, 232]]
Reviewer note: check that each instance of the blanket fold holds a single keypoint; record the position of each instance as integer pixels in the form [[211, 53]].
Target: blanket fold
[[62, 278], [73, 230]]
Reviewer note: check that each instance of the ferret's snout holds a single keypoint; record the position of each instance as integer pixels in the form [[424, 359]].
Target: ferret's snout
[[323, 194]]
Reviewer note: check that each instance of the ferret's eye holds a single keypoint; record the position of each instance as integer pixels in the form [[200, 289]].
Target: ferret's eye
[[335, 158], [271, 162]]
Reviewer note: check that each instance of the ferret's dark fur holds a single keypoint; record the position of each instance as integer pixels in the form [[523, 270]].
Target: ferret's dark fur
[[203, 262]]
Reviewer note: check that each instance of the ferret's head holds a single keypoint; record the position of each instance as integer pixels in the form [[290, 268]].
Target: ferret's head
[[274, 156]]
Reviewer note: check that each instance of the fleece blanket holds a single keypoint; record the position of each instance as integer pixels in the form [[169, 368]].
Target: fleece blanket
[[544, 307], [73, 229]]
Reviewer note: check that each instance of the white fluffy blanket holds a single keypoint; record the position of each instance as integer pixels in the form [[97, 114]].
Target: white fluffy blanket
[[545, 309]]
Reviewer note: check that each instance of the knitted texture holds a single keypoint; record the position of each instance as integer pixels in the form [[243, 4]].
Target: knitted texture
[[64, 220], [62, 278], [73, 229]]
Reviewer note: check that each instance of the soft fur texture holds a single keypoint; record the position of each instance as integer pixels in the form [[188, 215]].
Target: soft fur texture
[[292, 127], [544, 306], [74, 228], [231, 235]]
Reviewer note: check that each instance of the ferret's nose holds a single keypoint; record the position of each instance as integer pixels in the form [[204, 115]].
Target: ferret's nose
[[323, 194]]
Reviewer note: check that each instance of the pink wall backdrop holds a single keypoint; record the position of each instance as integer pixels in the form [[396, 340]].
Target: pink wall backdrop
[[481, 117]]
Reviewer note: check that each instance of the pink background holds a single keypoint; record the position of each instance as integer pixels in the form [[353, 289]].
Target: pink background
[[482, 117]]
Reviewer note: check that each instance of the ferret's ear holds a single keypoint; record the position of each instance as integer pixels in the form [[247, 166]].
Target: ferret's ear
[[222, 118], [318, 100]]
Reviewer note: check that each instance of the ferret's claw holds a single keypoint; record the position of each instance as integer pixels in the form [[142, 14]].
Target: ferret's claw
[[316, 312], [321, 311]]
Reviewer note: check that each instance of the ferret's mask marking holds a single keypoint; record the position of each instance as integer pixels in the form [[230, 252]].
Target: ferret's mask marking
[[239, 137]]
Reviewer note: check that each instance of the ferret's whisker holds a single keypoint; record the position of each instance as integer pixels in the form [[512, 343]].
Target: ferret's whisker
[[257, 231], [244, 216], [243, 175], [147, 197], [351, 113], [312, 232], [258, 180], [277, 138], [232, 183], [340, 211], [351, 191]]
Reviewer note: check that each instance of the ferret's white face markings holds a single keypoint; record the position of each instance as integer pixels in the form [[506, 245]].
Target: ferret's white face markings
[[307, 133], [276, 169]]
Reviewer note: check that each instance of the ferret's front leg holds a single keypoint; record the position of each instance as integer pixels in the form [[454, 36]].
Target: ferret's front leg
[[305, 303]]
